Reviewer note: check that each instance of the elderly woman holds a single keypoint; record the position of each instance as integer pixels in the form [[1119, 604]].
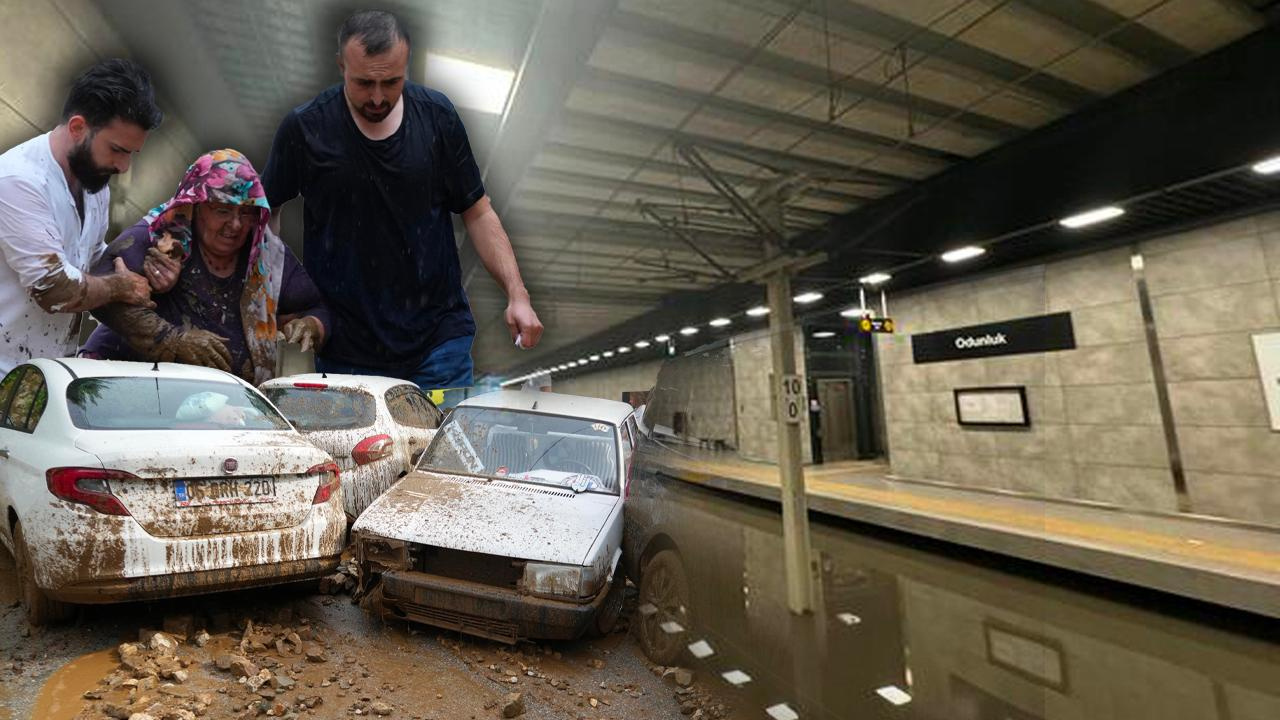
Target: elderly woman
[[223, 279]]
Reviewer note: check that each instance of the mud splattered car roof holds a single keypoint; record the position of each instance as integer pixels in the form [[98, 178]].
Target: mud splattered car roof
[[610, 411], [375, 384], [84, 367]]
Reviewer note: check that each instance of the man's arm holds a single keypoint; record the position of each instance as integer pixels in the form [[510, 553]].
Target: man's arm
[[494, 248], [65, 290], [31, 246], [281, 176]]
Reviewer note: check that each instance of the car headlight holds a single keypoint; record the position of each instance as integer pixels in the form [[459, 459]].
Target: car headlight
[[566, 581], [382, 553], [557, 580]]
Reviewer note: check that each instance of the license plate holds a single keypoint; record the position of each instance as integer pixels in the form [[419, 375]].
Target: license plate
[[224, 491]]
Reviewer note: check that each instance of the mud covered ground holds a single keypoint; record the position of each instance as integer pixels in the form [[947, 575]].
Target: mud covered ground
[[294, 652]]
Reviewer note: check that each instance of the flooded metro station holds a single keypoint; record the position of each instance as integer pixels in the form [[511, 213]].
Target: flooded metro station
[[611, 359]]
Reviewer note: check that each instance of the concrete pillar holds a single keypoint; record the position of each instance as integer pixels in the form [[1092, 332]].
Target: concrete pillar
[[795, 504]]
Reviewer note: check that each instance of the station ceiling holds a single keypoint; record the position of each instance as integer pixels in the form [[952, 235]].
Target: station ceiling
[[833, 105]]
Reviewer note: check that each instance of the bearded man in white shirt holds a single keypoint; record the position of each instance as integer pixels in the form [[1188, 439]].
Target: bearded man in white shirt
[[54, 205]]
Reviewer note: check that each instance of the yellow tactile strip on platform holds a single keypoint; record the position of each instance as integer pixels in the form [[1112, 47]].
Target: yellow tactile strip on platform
[[1198, 550]]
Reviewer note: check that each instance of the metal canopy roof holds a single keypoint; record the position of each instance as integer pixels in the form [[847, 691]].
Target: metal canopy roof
[[854, 101]]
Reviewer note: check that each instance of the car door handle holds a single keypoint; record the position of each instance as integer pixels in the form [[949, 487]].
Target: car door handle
[[4, 453]]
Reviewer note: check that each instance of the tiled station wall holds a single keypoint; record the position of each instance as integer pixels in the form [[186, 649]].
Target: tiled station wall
[[724, 393], [610, 384], [753, 375], [1096, 429]]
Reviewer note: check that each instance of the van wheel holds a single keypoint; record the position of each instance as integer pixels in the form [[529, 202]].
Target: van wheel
[[664, 600], [611, 608], [41, 609]]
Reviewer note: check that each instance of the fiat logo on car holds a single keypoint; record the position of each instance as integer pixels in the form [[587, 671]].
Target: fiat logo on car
[[229, 465]]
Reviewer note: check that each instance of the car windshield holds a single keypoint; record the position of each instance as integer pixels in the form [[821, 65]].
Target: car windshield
[[329, 408], [577, 453], [144, 403]]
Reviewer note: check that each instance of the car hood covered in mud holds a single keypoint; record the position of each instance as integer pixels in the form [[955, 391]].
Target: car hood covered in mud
[[496, 517]]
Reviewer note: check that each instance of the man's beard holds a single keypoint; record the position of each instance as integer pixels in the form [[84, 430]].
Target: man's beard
[[92, 177], [374, 114]]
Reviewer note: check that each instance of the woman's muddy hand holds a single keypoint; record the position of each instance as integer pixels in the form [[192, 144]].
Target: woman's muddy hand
[[161, 270]]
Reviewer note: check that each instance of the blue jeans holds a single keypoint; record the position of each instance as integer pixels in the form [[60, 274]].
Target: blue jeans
[[448, 367]]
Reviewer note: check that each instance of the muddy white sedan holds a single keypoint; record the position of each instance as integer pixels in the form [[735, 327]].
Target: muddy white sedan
[[375, 428], [125, 481], [510, 527]]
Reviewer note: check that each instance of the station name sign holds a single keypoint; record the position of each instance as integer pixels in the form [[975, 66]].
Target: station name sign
[[1041, 333]]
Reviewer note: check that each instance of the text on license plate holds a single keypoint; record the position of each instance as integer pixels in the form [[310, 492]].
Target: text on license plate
[[224, 491]]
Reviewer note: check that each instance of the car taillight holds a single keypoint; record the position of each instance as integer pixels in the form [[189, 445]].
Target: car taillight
[[329, 481], [372, 448], [88, 486], [313, 386]]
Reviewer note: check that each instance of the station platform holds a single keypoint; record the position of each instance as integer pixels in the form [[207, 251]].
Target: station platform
[[1232, 564]]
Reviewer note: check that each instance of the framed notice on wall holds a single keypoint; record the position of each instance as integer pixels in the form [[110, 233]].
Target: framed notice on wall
[[992, 406]]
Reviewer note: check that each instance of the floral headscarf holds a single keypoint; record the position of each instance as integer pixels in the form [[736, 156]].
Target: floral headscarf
[[226, 176]]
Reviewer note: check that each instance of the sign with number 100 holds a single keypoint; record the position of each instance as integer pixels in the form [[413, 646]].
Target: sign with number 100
[[792, 399]]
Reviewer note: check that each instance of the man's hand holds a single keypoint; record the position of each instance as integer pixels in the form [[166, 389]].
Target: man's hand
[[193, 346], [306, 331], [161, 270], [523, 321], [128, 287]]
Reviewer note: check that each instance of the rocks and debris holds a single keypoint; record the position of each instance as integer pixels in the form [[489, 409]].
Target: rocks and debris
[[345, 578], [513, 706], [275, 664]]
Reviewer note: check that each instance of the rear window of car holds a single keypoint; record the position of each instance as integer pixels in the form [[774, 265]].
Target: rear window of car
[[144, 403], [324, 408]]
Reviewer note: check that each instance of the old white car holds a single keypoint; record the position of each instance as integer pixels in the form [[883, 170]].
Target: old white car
[[374, 427], [124, 481], [510, 526]]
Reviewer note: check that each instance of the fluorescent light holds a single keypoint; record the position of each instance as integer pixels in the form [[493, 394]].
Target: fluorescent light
[[593, 358], [689, 330], [965, 253], [701, 649], [607, 353], [823, 334], [720, 322], [582, 361], [809, 297], [662, 338], [758, 311], [856, 312], [1270, 166], [572, 363], [1092, 217], [875, 278], [781, 711], [470, 85], [894, 694], [642, 343], [623, 349]]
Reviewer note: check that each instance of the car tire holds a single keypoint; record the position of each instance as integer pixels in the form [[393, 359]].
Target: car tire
[[664, 593], [610, 609], [41, 609]]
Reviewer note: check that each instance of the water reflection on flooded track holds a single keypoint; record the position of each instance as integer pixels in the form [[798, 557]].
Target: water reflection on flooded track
[[902, 629]]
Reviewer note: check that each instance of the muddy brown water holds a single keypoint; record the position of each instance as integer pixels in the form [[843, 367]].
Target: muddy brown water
[[61, 697], [948, 633]]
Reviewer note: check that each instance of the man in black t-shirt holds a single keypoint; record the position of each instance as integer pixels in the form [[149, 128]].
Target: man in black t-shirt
[[382, 164]]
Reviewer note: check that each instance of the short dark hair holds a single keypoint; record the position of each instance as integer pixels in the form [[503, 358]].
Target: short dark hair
[[377, 30], [115, 88]]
